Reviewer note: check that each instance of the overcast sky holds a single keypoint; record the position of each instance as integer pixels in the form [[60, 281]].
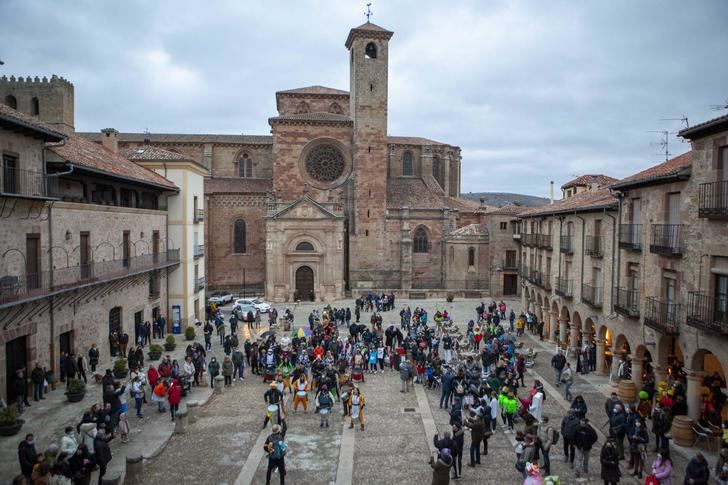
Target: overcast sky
[[531, 91]]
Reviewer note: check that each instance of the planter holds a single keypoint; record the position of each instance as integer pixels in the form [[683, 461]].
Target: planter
[[75, 397], [189, 337], [170, 347], [682, 431], [627, 391], [154, 355], [13, 429], [120, 374]]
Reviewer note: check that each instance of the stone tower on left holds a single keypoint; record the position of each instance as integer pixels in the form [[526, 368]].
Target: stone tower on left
[[51, 100]]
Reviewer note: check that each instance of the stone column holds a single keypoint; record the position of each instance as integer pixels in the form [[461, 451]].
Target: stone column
[[563, 338], [524, 300], [695, 381], [660, 374], [574, 340], [615, 368], [134, 468], [537, 311], [219, 384], [180, 422], [637, 372], [601, 367], [111, 478], [406, 250], [553, 322], [192, 407]]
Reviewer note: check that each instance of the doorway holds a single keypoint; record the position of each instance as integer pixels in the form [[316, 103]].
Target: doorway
[[137, 326], [66, 342], [114, 330], [16, 357], [510, 284], [304, 283]]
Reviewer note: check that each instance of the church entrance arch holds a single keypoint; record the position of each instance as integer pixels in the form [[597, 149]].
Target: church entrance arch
[[304, 284]]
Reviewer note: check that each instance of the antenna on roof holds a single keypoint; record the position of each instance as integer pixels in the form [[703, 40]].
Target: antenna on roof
[[369, 12], [146, 136], [718, 107], [664, 142], [683, 119]]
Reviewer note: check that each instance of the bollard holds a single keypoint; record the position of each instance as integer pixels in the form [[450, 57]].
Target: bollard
[[219, 384], [192, 407], [134, 468], [180, 422], [111, 478]]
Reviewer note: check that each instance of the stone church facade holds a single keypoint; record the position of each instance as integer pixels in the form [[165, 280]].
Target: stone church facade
[[330, 202]]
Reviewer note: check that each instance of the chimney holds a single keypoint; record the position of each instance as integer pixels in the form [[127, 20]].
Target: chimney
[[110, 139], [551, 196]]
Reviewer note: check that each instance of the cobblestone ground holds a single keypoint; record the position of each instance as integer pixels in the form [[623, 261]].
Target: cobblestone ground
[[394, 448]]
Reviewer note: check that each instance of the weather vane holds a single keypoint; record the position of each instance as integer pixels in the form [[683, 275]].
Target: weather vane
[[369, 12]]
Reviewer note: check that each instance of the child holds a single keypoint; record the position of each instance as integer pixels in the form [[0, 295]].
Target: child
[[372, 360]]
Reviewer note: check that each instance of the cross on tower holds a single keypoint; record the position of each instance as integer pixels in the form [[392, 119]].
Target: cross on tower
[[369, 12]]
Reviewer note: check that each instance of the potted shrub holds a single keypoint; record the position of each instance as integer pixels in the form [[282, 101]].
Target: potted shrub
[[10, 422], [450, 297], [169, 343], [155, 352], [120, 369], [190, 333], [75, 390]]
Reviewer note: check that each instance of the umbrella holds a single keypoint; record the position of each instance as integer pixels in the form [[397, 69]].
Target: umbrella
[[303, 332], [266, 334]]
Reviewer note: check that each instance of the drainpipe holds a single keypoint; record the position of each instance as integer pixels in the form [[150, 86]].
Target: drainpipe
[[583, 237], [561, 230]]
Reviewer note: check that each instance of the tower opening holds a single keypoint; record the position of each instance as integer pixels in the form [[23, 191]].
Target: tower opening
[[370, 52]]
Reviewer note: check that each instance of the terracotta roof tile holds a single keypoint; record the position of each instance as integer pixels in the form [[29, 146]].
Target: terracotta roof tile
[[312, 117], [471, 230], [237, 185], [706, 127], [671, 168], [415, 193], [586, 201], [10, 116], [182, 138], [316, 91], [371, 30], [85, 153], [590, 179], [151, 152], [507, 210], [411, 140]]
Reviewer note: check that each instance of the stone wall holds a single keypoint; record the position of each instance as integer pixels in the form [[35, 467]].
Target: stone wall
[[54, 98]]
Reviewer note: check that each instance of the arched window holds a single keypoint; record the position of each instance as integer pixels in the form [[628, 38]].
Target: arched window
[[304, 246], [436, 169], [11, 102], [302, 108], [245, 166], [239, 237], [336, 109], [34, 106], [407, 163], [371, 51], [420, 243], [471, 256]]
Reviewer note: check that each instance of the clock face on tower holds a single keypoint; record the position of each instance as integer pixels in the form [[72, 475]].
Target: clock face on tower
[[325, 163]]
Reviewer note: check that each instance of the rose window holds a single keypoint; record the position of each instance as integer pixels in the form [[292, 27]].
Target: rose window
[[325, 163]]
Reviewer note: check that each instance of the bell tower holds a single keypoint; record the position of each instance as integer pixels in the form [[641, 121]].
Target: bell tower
[[368, 47]]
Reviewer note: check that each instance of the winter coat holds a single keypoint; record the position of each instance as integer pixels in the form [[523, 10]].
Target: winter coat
[[88, 435], [616, 424], [661, 469], [103, 451], [699, 472], [579, 407], [585, 437], [477, 428], [26, 456], [545, 435], [440, 470], [227, 368], [174, 393], [609, 459], [214, 368], [68, 444], [404, 371], [536, 406]]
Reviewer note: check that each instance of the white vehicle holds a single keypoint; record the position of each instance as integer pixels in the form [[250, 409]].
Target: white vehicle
[[259, 305], [221, 298], [244, 308]]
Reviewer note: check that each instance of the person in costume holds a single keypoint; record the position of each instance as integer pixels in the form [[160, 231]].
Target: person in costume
[[356, 408], [274, 400], [300, 388]]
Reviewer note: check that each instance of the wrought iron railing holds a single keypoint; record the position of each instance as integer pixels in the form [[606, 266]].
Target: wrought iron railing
[[713, 200], [546, 281], [199, 250], [510, 264], [667, 239], [626, 302], [663, 316], [566, 244], [593, 246], [592, 295], [21, 182], [449, 284], [708, 313], [630, 236], [199, 215], [564, 287], [529, 239], [200, 284], [544, 241], [18, 288]]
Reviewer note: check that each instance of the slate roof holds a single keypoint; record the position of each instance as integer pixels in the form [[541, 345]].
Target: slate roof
[[507, 210], [673, 168], [182, 138], [707, 127], [589, 179], [84, 153], [237, 185], [12, 118], [316, 91], [584, 202]]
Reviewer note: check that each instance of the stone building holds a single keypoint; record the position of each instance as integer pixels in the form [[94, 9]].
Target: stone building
[[330, 202]]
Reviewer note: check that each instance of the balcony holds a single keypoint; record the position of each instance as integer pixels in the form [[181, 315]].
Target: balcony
[[667, 239], [24, 288], [663, 316], [545, 281], [564, 287], [593, 246], [626, 302], [510, 264], [199, 284], [32, 184], [707, 313], [630, 237], [516, 236], [713, 202], [534, 276], [450, 284], [544, 241], [592, 295], [530, 240], [566, 245], [199, 250], [199, 215]]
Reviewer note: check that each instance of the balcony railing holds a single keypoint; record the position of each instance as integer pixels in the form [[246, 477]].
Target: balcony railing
[[544, 241], [708, 313], [200, 284], [546, 281], [564, 287], [450, 284], [713, 201], [534, 276], [199, 250], [626, 302], [667, 239], [19, 182], [566, 245], [592, 295], [20, 288], [510, 264], [516, 236], [593, 246], [199, 215], [663, 316], [630, 237], [529, 239]]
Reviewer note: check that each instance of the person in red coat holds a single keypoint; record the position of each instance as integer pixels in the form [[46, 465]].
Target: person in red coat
[[174, 397], [152, 376]]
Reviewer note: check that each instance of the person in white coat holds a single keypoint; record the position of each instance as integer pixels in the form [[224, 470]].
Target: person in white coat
[[536, 406], [68, 442], [493, 411]]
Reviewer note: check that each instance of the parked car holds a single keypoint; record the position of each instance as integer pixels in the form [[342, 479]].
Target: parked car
[[221, 298], [262, 306], [244, 306], [256, 303]]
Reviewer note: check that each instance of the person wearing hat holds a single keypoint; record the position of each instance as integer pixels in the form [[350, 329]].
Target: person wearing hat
[[441, 462], [274, 399], [275, 449], [644, 409]]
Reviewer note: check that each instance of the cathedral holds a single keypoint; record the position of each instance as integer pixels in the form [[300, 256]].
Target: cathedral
[[330, 203]]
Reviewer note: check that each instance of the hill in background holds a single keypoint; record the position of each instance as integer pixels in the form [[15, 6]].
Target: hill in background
[[498, 199]]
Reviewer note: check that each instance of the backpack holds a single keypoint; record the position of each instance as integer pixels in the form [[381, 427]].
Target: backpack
[[556, 436], [279, 449]]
